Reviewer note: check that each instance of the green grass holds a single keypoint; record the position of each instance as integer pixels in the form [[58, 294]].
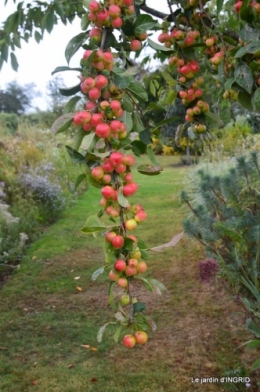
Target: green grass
[[45, 319]]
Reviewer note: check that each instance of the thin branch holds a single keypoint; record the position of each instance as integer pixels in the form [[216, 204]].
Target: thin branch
[[171, 11], [153, 12]]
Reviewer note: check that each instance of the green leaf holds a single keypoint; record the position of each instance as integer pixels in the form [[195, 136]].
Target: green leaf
[[80, 134], [146, 284], [98, 272], [48, 21], [145, 136], [241, 52], [219, 5], [253, 47], [127, 104], [117, 334], [79, 180], [74, 45], [178, 134], [67, 92], [211, 117], [138, 91], [37, 36], [93, 225], [111, 295], [85, 22], [244, 77], [86, 3], [65, 68], [157, 285], [101, 332], [75, 155], [94, 183], [137, 122], [71, 104], [14, 62], [151, 155], [4, 52], [87, 141], [245, 100], [122, 200], [169, 79], [166, 121], [152, 88], [256, 99], [121, 82], [62, 123], [229, 83], [138, 147], [249, 34], [130, 71], [139, 307], [127, 119], [149, 170], [253, 344], [256, 364], [157, 47], [144, 23]]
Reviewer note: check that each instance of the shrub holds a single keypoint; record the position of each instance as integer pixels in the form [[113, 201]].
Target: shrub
[[9, 121], [225, 219]]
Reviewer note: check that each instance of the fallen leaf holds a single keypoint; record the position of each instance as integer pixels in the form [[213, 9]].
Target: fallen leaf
[[93, 379], [34, 257], [25, 309], [93, 349], [79, 288], [85, 345], [70, 366], [3, 348], [77, 277], [35, 382], [175, 239]]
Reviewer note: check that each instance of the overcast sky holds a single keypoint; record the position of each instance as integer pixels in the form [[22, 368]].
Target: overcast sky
[[37, 61]]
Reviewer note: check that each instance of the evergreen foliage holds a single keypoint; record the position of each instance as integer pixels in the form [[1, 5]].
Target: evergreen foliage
[[226, 219]]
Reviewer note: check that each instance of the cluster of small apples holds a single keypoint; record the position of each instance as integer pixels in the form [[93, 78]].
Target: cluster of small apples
[[101, 60], [253, 4], [139, 337], [110, 15], [182, 38], [104, 122], [191, 93], [231, 94]]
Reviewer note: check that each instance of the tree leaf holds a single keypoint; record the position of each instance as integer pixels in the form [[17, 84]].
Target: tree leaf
[[67, 92], [178, 134], [127, 104], [145, 136], [74, 45], [174, 241], [146, 284], [127, 119], [75, 156], [256, 99], [37, 36], [245, 100], [79, 180], [121, 82], [157, 47], [256, 364], [87, 141], [122, 200], [117, 334], [166, 121], [65, 68], [151, 155], [62, 123], [14, 62], [137, 122], [138, 147], [253, 344], [169, 79], [101, 332], [93, 225], [219, 5], [139, 307], [244, 77], [149, 170], [144, 23], [249, 34], [229, 83], [138, 91], [98, 272], [71, 104], [211, 117], [155, 283]]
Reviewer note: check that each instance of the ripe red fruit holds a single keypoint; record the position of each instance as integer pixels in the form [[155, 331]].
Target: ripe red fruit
[[122, 282], [93, 6], [182, 94], [116, 23], [128, 160], [140, 216], [102, 131], [116, 158], [107, 166], [133, 237], [135, 45], [115, 105], [237, 6], [101, 81], [120, 265], [90, 105], [95, 34], [107, 192], [141, 337], [113, 276], [129, 178], [107, 178], [110, 235], [121, 168], [108, 57], [185, 69], [114, 11], [102, 16], [129, 341], [189, 41], [94, 94], [130, 271], [130, 189], [133, 262], [97, 172], [96, 119], [118, 242]]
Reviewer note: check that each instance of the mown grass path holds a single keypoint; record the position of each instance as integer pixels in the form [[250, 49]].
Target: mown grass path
[[45, 318]]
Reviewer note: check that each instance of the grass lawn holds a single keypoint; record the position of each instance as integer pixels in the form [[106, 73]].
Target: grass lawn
[[45, 318]]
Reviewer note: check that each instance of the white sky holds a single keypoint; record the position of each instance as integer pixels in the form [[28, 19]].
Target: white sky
[[37, 61]]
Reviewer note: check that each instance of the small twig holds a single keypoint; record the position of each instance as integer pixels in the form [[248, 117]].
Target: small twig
[[153, 12], [171, 11]]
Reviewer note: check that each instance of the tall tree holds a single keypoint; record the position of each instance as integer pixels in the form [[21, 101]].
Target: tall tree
[[17, 99]]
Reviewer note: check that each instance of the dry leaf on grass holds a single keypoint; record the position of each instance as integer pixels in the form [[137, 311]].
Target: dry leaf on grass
[[175, 239]]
